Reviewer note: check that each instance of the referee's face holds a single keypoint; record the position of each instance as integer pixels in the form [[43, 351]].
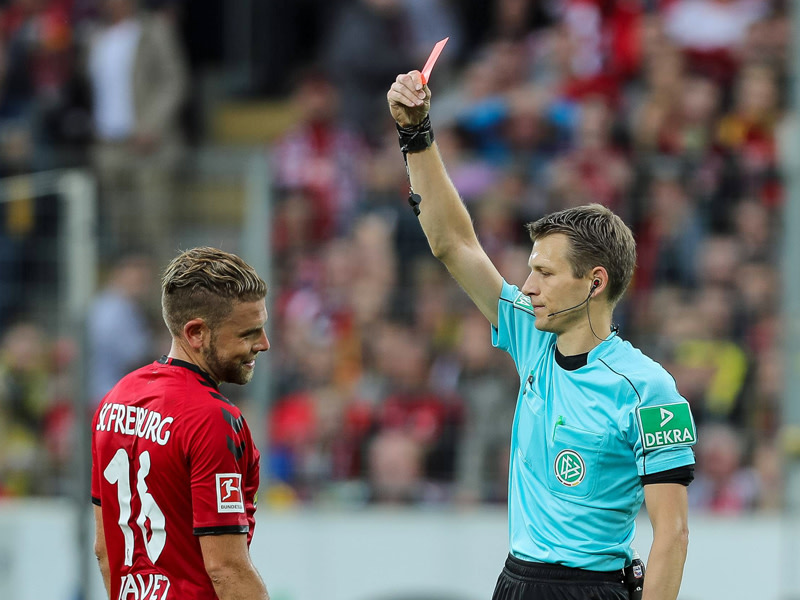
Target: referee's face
[[552, 285], [231, 352]]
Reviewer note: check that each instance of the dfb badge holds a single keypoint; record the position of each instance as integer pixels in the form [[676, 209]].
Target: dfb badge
[[229, 493]]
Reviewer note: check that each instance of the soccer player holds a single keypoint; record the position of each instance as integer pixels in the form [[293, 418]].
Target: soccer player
[[599, 427], [174, 468]]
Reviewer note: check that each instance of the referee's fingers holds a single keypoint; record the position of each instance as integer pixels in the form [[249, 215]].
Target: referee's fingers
[[412, 79], [400, 93]]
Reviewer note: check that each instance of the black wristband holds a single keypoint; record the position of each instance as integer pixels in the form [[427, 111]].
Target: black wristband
[[417, 137]]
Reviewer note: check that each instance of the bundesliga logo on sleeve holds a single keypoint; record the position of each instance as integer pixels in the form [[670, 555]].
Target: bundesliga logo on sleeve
[[229, 493]]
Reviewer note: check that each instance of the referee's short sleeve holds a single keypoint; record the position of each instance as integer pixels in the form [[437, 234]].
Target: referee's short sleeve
[[516, 332], [661, 429]]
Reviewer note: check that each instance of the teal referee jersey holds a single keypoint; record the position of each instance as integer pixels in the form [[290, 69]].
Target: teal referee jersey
[[581, 440]]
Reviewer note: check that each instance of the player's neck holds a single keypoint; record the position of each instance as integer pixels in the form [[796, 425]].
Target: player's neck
[[180, 352]]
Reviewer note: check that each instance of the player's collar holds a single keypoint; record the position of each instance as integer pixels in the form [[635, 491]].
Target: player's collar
[[177, 362]]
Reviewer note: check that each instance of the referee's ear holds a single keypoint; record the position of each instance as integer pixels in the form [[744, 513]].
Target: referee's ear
[[196, 333], [599, 281]]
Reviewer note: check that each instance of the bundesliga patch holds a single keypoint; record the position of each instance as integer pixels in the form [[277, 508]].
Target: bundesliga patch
[[666, 425], [570, 468], [229, 493], [523, 302]]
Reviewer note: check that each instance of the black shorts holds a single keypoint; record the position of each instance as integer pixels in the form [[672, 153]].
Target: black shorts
[[523, 580]]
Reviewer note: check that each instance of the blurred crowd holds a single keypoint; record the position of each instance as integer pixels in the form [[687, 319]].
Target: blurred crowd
[[386, 387]]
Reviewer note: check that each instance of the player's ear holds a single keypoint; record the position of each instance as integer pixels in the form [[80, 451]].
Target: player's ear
[[196, 333]]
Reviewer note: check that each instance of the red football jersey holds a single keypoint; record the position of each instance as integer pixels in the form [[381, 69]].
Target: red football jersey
[[172, 459]]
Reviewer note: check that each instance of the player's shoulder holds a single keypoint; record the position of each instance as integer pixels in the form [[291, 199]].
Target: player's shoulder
[[130, 382], [204, 402], [647, 377], [214, 421]]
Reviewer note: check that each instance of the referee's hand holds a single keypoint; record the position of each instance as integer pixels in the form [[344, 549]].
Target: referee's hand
[[409, 99]]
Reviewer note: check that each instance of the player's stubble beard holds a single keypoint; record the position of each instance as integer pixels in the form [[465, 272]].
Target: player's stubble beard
[[225, 371]]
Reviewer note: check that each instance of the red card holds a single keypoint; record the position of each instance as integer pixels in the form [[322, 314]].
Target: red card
[[437, 50]]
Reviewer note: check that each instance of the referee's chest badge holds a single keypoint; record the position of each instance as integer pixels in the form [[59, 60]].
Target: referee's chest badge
[[570, 468]]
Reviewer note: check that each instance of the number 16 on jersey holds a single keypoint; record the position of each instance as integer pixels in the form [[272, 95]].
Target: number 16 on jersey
[[118, 473]]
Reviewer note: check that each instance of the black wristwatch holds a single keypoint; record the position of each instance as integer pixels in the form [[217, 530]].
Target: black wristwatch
[[415, 138]]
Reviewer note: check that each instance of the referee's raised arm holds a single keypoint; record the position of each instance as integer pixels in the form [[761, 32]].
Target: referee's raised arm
[[442, 214]]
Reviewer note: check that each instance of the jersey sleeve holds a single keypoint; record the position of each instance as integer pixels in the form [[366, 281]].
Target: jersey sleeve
[[516, 332], [220, 452], [661, 429]]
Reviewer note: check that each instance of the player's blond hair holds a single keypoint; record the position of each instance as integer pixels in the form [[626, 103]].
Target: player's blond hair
[[597, 237], [205, 283]]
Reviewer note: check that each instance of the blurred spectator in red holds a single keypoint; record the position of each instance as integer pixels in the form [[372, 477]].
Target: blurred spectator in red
[[606, 46], [713, 31], [322, 160], [669, 237], [316, 431], [655, 103], [748, 133], [38, 34], [687, 129], [38, 69], [595, 171], [412, 407], [139, 82]]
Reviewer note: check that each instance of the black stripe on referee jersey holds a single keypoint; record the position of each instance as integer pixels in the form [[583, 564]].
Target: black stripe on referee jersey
[[644, 456], [221, 530], [95, 501]]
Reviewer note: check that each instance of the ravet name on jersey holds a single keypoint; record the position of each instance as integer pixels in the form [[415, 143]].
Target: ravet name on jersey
[[133, 420], [150, 586]]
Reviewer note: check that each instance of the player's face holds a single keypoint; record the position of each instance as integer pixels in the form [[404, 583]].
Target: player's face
[[231, 353], [552, 285]]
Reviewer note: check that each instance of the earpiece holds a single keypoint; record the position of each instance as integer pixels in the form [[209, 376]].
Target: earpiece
[[595, 284]]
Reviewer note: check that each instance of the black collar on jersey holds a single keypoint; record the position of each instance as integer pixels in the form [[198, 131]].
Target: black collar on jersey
[[571, 363], [177, 362]]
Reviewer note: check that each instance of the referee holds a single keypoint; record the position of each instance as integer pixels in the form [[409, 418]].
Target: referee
[[599, 427]]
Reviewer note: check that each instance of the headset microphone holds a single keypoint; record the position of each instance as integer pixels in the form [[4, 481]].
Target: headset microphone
[[595, 285]]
